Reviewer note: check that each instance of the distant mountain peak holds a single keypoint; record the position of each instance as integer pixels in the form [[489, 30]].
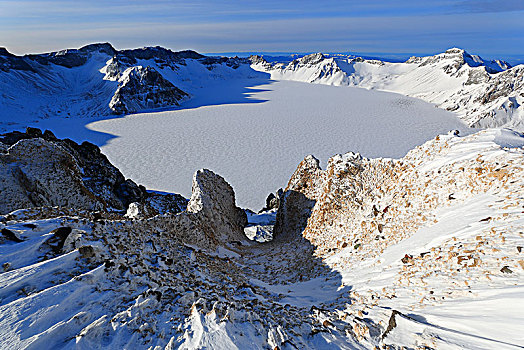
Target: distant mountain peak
[[99, 47], [460, 57], [4, 52]]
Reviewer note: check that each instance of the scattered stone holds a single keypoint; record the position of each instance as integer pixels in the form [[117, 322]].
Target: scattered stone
[[87, 251], [56, 242], [506, 269], [327, 324], [10, 235], [392, 323], [407, 259]]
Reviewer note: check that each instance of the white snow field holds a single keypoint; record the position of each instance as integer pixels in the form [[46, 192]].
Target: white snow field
[[257, 145]]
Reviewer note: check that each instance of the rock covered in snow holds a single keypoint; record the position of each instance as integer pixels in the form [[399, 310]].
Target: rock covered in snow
[[144, 88], [213, 199], [380, 201], [40, 170], [483, 93], [390, 249], [456, 58], [36, 172]]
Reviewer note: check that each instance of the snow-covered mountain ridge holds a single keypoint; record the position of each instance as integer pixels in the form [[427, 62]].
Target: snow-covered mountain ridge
[[367, 253], [98, 80], [482, 93]]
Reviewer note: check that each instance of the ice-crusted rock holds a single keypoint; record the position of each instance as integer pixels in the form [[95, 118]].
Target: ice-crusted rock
[[144, 88], [213, 199], [40, 170], [36, 172]]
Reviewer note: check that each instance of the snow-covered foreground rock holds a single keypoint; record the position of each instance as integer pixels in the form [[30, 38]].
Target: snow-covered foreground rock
[[425, 252], [256, 144]]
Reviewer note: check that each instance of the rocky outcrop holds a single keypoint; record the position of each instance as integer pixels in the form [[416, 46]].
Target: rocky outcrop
[[273, 201], [379, 202], [144, 88], [211, 220], [213, 200], [72, 57], [40, 170], [8, 62], [158, 53], [36, 172], [315, 68], [298, 199]]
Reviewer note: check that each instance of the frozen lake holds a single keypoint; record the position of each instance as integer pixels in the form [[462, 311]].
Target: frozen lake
[[256, 146]]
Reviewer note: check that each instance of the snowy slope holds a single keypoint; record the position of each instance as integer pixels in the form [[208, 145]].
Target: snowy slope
[[421, 250], [482, 93], [449, 263]]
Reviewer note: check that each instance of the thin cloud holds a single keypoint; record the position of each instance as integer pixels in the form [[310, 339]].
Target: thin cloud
[[490, 6], [301, 26]]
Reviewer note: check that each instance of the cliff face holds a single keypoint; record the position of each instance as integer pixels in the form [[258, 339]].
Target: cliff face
[[143, 88]]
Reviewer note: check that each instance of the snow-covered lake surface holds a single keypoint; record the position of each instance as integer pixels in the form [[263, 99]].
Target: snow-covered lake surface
[[257, 144]]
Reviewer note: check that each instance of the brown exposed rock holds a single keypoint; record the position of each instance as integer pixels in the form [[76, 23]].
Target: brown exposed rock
[[37, 169], [213, 200], [298, 199], [506, 269]]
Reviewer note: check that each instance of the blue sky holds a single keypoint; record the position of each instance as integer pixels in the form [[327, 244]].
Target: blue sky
[[491, 28]]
